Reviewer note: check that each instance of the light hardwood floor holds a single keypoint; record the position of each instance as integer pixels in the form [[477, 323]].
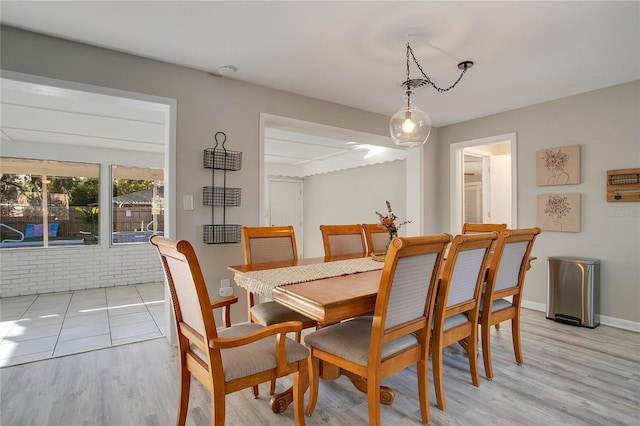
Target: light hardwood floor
[[571, 376]]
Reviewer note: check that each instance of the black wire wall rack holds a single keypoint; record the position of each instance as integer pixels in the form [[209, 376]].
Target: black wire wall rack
[[221, 197]]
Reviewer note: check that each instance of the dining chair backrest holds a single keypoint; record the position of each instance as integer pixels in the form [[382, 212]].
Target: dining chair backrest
[[343, 239], [376, 237], [475, 228], [472, 228], [465, 269], [263, 244], [512, 253], [189, 295], [409, 279]]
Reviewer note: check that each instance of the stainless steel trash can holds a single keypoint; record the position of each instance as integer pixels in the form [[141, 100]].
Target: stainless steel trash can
[[573, 291]]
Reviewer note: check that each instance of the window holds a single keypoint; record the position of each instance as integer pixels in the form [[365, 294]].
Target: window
[[138, 204], [46, 203]]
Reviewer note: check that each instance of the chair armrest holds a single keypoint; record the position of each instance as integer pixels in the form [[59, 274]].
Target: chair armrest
[[227, 301], [225, 304], [280, 330], [233, 342]]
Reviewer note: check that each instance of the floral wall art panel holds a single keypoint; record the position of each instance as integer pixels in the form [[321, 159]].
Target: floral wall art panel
[[558, 166], [558, 212]]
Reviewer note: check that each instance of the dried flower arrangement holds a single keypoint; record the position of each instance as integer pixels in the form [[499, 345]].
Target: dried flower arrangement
[[390, 221]]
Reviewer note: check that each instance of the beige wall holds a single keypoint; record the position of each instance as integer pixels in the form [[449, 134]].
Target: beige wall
[[351, 196], [606, 125], [206, 104]]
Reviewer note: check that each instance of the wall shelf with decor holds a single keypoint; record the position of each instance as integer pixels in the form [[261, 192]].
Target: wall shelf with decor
[[221, 197], [623, 185]]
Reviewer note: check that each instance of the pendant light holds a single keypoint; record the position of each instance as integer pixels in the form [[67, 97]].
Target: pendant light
[[410, 127]]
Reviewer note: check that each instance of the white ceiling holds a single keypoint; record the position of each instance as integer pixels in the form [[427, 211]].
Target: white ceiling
[[54, 115], [352, 52]]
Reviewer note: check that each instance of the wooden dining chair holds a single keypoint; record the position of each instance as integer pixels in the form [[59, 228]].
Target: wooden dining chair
[[457, 304], [233, 358], [264, 244], [376, 237], [343, 239], [472, 228], [397, 335], [507, 270], [475, 228]]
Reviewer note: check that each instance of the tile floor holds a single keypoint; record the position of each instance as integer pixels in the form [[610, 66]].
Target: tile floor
[[42, 326]]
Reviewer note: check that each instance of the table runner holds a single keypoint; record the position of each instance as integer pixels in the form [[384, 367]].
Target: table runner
[[263, 282]]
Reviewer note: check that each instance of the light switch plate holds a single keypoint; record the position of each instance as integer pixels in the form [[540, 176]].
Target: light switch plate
[[187, 202]]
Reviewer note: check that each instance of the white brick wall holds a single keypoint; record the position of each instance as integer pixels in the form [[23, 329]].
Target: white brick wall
[[63, 268]]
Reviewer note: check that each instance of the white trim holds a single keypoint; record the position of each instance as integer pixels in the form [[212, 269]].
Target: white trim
[[455, 184], [414, 171], [620, 323], [604, 320], [535, 306], [169, 106], [414, 164]]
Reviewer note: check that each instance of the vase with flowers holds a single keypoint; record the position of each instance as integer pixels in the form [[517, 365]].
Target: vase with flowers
[[391, 223]]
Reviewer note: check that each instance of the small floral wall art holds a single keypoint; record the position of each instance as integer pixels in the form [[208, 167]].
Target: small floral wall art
[[558, 212], [558, 166]]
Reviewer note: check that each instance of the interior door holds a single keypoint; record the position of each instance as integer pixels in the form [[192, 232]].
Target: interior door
[[473, 207], [500, 188], [285, 206]]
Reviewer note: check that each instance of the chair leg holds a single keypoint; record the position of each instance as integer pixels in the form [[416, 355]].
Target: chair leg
[[436, 361], [423, 390], [486, 350], [272, 384], [314, 383], [472, 353], [373, 400], [218, 409], [299, 388], [515, 336], [250, 303], [183, 401]]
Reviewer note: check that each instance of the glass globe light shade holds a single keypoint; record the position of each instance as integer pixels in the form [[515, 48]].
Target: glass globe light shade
[[410, 127]]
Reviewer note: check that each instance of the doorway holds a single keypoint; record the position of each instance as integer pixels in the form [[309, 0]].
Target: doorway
[[285, 206], [484, 181], [28, 93], [379, 148], [476, 189]]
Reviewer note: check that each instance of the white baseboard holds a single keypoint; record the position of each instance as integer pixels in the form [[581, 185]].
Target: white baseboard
[[534, 306], [620, 323], [604, 320]]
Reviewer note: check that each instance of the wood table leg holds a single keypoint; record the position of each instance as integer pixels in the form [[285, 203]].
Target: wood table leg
[[386, 394], [281, 401]]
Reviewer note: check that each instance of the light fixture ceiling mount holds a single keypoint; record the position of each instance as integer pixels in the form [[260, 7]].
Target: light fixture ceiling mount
[[410, 127], [227, 69]]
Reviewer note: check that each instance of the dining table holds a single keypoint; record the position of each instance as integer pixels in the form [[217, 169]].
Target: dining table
[[326, 289]]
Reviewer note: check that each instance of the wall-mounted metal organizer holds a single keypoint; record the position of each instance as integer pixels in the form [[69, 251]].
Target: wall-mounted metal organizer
[[623, 185], [221, 196]]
